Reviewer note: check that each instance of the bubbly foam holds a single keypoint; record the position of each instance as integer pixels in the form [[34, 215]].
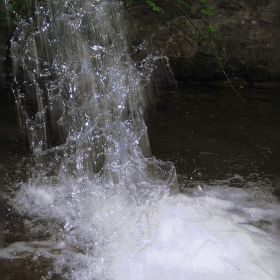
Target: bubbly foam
[[177, 237]]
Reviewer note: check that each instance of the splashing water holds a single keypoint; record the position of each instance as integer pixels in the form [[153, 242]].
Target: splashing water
[[107, 203]]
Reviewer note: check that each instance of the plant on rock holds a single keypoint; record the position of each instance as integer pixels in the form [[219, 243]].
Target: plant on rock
[[186, 7]]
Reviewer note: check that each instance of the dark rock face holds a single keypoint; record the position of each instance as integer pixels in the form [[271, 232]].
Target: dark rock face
[[243, 39]]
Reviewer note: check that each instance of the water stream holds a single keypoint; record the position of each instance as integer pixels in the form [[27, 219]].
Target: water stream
[[96, 203]]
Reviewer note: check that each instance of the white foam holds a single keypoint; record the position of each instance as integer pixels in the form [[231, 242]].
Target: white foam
[[191, 238], [180, 237]]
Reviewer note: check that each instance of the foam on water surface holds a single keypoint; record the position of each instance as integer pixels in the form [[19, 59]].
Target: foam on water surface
[[176, 237]]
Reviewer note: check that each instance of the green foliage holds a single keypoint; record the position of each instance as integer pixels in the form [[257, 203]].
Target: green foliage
[[15, 11], [211, 28], [129, 2], [151, 4], [154, 7], [207, 5], [186, 5], [207, 13]]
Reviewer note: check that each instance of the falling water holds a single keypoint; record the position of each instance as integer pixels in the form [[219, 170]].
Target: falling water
[[107, 203]]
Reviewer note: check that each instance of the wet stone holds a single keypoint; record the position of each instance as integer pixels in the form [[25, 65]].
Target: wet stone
[[29, 269]]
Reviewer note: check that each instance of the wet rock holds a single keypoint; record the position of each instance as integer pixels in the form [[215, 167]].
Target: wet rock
[[204, 68], [230, 6], [29, 269], [268, 16], [243, 40], [252, 73], [182, 67], [237, 181]]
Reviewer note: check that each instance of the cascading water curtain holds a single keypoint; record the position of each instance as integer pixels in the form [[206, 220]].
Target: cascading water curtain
[[83, 89]]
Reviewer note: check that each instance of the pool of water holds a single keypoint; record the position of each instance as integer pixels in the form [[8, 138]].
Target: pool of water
[[209, 133], [216, 141]]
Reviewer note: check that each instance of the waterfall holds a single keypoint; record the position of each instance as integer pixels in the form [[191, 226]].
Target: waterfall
[[81, 95], [105, 202]]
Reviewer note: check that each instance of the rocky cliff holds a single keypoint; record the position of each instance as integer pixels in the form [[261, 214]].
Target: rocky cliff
[[243, 39]]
